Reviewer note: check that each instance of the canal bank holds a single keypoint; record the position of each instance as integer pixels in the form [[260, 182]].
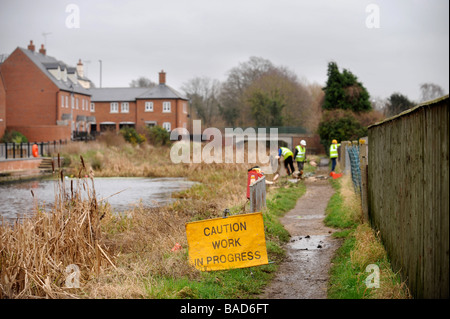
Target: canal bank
[[22, 169]]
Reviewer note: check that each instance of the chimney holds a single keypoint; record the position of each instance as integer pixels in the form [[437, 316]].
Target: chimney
[[80, 69], [162, 77], [42, 50], [31, 46]]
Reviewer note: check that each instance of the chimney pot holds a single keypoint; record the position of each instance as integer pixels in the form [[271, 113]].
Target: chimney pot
[[80, 69], [162, 77], [31, 46], [42, 50]]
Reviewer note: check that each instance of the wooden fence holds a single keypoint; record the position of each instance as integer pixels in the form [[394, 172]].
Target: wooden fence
[[258, 195], [408, 194]]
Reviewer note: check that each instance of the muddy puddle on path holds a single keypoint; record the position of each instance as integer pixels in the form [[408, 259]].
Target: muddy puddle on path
[[304, 272], [308, 242]]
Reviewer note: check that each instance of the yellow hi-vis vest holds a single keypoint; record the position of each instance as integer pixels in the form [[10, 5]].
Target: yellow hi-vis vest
[[300, 153], [334, 150], [286, 152]]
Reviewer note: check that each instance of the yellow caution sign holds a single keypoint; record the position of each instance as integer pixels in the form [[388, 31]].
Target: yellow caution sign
[[232, 242]]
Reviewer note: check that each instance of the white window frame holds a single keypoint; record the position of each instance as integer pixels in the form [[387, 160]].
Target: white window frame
[[92, 107], [62, 100], [67, 102], [151, 123], [167, 126], [76, 103], [148, 107], [166, 107], [82, 104], [184, 107], [114, 107], [124, 107]]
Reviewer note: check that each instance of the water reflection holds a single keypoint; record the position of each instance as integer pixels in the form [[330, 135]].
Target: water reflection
[[16, 198]]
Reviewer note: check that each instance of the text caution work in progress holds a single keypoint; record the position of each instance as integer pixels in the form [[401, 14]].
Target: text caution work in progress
[[232, 242]]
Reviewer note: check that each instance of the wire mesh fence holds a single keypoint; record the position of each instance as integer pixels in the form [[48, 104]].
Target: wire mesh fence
[[353, 153]]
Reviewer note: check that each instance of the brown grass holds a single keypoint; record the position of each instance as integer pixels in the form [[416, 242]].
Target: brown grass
[[119, 256], [369, 249], [34, 253]]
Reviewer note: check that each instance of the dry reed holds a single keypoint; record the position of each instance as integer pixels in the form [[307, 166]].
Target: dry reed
[[35, 253], [119, 256]]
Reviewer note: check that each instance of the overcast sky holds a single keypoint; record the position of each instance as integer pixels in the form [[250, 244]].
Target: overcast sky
[[189, 38]]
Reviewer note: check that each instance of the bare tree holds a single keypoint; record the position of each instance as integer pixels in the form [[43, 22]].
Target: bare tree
[[203, 93], [232, 98], [142, 82], [430, 91]]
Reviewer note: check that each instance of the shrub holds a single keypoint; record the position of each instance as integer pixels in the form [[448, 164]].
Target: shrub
[[130, 135], [158, 136], [340, 125], [13, 137]]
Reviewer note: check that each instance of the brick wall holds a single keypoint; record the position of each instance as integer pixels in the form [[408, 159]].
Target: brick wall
[[103, 113], [177, 117], [31, 95], [2, 108], [44, 133], [22, 164], [35, 103]]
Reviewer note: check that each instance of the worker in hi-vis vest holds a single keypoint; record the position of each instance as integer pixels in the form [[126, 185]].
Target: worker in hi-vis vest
[[288, 159], [334, 153], [300, 156]]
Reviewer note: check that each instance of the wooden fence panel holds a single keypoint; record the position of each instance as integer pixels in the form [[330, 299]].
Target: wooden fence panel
[[408, 201]]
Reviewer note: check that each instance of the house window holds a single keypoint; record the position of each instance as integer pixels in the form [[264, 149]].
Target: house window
[[166, 126], [114, 107], [125, 107], [150, 123], [76, 103], [148, 106], [67, 101], [166, 107], [92, 107], [62, 101], [82, 104], [184, 107]]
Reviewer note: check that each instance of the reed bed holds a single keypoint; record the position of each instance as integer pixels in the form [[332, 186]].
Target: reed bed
[[119, 255], [50, 253]]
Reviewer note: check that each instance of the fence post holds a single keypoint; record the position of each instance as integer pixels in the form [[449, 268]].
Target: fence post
[[363, 162], [344, 159], [258, 195]]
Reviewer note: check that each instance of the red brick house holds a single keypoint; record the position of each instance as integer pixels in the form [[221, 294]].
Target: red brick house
[[160, 105], [47, 100], [44, 99]]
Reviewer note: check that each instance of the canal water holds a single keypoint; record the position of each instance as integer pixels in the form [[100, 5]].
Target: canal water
[[16, 199]]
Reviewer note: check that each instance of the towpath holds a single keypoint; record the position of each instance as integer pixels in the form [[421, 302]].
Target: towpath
[[304, 273]]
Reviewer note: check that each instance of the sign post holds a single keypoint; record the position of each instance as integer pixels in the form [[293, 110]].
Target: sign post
[[223, 243]]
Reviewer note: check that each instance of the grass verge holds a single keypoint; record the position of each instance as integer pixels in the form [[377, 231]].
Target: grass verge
[[132, 255], [361, 247], [244, 282]]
